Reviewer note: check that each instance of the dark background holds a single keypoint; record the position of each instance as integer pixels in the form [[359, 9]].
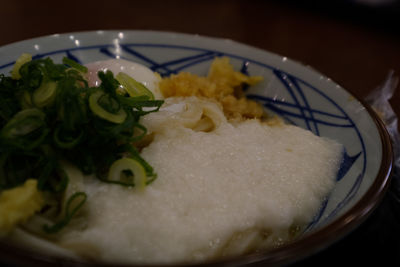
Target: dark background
[[355, 43]]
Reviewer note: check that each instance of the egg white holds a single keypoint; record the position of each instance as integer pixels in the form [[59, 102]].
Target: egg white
[[137, 71]]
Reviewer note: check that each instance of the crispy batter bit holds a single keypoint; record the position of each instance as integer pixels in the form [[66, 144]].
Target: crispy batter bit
[[222, 84]]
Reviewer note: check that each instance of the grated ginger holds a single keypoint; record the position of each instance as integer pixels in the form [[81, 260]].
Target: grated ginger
[[222, 84], [19, 204]]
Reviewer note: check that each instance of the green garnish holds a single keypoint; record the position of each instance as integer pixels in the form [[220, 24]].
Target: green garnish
[[74, 64], [74, 204], [48, 113], [25, 130], [133, 87], [127, 171], [106, 107], [20, 61]]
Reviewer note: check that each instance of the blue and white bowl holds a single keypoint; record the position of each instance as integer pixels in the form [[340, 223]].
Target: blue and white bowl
[[297, 93]]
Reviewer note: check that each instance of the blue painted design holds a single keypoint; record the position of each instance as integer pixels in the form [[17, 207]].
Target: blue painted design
[[295, 87], [318, 216], [245, 70], [195, 62], [107, 52], [346, 164], [348, 197], [189, 61], [71, 56], [291, 85], [278, 107], [304, 99], [153, 64], [37, 56], [7, 65]]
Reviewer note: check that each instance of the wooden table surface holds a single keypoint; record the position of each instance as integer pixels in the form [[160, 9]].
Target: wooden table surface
[[354, 45]]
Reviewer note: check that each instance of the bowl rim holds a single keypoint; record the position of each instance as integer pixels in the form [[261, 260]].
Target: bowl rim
[[301, 248]]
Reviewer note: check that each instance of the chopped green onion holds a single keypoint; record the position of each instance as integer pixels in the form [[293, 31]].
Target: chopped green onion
[[139, 102], [118, 117], [45, 175], [59, 185], [117, 175], [26, 100], [45, 94], [74, 204], [48, 113], [68, 140], [74, 64], [24, 58], [133, 87], [22, 125]]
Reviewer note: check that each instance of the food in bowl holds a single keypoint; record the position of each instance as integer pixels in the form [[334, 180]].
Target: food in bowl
[[229, 181]]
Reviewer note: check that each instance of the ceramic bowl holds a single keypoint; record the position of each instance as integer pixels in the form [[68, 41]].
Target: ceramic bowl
[[297, 93]]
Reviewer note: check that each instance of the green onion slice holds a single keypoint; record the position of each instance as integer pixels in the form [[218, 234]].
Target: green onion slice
[[117, 173], [17, 131], [26, 100], [139, 103], [75, 65], [45, 94], [133, 87], [96, 107], [66, 139], [45, 175], [74, 204], [23, 123], [24, 58]]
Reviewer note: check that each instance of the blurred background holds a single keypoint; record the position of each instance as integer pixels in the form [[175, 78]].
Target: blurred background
[[355, 43]]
